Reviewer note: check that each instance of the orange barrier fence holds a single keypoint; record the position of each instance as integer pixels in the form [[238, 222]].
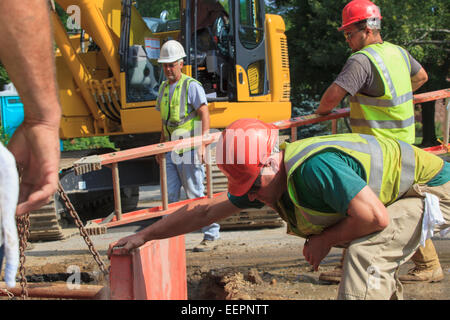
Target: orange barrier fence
[[154, 271]]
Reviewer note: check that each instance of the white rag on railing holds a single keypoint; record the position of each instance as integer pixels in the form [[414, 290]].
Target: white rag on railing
[[432, 217], [9, 194]]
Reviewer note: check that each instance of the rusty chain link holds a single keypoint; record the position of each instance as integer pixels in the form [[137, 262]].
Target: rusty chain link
[[83, 232], [8, 293], [23, 228]]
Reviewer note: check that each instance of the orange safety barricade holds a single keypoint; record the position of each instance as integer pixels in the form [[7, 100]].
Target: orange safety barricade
[[154, 271]]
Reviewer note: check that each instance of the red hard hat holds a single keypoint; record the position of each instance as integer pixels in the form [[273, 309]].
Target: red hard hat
[[358, 10], [242, 150]]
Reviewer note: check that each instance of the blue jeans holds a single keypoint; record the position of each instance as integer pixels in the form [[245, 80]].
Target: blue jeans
[[2, 253], [187, 171]]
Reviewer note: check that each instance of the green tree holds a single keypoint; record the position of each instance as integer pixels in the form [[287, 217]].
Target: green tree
[[151, 8], [317, 50], [4, 78]]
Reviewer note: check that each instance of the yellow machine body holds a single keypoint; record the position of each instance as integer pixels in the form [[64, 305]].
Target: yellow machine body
[[93, 81]]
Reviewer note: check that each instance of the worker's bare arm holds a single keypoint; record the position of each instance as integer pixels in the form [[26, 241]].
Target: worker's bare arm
[[188, 218], [366, 215], [419, 79], [27, 54], [330, 99], [203, 112]]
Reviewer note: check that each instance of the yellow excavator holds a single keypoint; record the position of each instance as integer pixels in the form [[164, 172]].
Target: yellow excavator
[[108, 77]]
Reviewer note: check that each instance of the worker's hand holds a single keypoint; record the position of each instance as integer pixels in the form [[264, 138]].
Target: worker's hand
[[314, 250], [125, 245], [201, 154], [36, 149]]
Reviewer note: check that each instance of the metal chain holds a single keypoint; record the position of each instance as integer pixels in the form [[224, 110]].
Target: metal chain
[[8, 293], [23, 228], [83, 232]]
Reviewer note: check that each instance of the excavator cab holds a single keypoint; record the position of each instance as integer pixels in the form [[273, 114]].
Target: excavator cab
[[217, 37], [233, 48], [109, 77]]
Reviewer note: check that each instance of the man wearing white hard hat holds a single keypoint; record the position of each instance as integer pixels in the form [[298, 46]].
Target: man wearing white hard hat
[[184, 113]]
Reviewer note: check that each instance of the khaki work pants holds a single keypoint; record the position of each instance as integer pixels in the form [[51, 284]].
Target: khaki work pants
[[371, 263]]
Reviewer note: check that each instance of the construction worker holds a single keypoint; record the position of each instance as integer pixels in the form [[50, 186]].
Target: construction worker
[[34, 147], [380, 78], [184, 113], [353, 190]]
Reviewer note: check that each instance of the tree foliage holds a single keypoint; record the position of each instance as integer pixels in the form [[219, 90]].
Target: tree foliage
[[151, 8], [317, 51]]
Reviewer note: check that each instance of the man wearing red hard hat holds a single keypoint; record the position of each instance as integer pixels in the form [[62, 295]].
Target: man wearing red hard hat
[[336, 190], [380, 78]]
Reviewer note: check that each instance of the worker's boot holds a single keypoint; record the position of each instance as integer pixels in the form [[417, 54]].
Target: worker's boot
[[427, 267], [206, 245], [334, 276], [418, 274]]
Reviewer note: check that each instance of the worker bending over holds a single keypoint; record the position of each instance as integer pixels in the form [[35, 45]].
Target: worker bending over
[[357, 191]]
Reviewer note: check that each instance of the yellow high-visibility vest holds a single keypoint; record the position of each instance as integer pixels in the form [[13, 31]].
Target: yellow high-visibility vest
[[391, 166], [391, 115], [177, 114]]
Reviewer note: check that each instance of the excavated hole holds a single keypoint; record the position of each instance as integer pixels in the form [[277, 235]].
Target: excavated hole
[[222, 285], [83, 277]]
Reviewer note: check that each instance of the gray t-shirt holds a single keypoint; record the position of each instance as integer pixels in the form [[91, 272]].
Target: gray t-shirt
[[196, 95], [359, 75]]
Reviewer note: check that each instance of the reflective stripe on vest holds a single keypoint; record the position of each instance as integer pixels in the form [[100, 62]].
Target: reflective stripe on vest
[[313, 221], [372, 147], [383, 124], [185, 112]]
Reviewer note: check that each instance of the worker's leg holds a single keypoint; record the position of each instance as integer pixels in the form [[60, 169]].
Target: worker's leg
[[371, 262], [173, 178], [426, 266], [193, 175], [2, 248]]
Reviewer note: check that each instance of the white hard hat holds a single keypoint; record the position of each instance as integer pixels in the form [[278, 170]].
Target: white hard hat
[[171, 51]]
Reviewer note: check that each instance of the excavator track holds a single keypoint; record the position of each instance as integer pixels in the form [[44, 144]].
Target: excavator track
[[45, 223]]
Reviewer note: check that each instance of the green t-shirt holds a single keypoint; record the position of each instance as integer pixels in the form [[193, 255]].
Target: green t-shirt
[[328, 181]]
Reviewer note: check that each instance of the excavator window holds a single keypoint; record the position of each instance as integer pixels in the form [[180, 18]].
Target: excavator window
[[251, 30], [149, 24]]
